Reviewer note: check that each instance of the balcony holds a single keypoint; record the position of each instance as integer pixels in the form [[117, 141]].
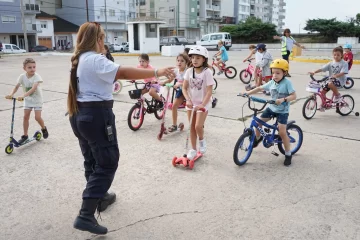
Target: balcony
[[216, 8], [208, 7], [252, 11], [33, 28], [252, 2], [282, 3], [31, 8], [281, 17]]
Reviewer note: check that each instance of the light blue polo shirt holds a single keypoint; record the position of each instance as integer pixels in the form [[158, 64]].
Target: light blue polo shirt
[[224, 54], [96, 75], [279, 90]]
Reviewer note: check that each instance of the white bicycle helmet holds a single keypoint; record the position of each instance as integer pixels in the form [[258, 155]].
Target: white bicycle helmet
[[199, 50]]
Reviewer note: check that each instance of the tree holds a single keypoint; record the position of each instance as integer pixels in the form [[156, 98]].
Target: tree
[[357, 19]]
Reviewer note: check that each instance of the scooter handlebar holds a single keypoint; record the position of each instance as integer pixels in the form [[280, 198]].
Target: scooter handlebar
[[20, 99]]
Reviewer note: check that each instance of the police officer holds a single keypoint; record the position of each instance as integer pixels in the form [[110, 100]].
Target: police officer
[[90, 105]]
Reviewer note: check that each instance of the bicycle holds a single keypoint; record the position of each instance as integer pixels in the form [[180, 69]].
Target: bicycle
[[269, 138], [138, 111], [349, 83], [344, 107], [230, 72], [246, 74]]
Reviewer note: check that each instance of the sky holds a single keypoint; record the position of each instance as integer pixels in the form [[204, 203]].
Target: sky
[[298, 11]]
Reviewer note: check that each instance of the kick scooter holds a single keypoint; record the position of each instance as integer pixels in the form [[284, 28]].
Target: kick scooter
[[13, 143], [184, 160]]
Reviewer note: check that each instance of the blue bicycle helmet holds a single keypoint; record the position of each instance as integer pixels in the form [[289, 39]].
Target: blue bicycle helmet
[[261, 46], [347, 45]]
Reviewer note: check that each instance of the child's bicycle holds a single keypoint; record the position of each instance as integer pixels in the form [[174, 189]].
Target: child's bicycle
[[246, 141], [117, 87], [230, 72], [246, 74], [138, 111], [344, 107]]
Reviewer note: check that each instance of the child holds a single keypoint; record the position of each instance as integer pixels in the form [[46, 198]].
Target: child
[[283, 93], [197, 90], [338, 69], [264, 64], [258, 58], [154, 87], [107, 53], [182, 62], [348, 55], [224, 56], [30, 82]]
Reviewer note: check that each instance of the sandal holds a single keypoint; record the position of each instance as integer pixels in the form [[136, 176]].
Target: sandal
[[173, 128]]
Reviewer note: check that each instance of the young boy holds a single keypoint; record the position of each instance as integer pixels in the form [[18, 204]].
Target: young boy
[[224, 56], [283, 93], [30, 82], [258, 58], [338, 68], [264, 64]]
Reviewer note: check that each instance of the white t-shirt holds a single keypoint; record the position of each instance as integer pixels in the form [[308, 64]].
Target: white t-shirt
[[289, 42], [258, 57], [198, 85], [35, 99], [96, 75]]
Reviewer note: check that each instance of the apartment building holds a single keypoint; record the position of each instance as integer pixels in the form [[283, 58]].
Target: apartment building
[[11, 30], [191, 18], [267, 10], [112, 17]]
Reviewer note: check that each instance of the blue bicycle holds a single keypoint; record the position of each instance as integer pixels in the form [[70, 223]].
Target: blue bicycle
[[271, 138]]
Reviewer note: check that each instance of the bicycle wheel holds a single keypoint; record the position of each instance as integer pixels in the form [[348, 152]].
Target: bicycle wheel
[[213, 71], [349, 83], [244, 145], [245, 76], [215, 85], [309, 108], [230, 72], [159, 112], [117, 87], [135, 118], [346, 106], [296, 139]]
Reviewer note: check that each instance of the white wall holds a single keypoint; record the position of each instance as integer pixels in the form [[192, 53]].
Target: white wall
[[5, 38], [227, 8], [146, 45], [46, 32]]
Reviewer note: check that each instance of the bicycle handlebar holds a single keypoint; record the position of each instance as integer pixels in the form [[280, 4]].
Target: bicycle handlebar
[[323, 79], [259, 100]]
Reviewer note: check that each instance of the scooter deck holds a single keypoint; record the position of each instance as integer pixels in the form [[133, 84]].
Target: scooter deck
[[185, 161]]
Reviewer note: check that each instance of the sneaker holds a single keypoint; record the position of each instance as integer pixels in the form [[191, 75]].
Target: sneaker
[[257, 141], [214, 102], [45, 133], [202, 146], [23, 139], [219, 73], [287, 161], [248, 87], [337, 98], [191, 154]]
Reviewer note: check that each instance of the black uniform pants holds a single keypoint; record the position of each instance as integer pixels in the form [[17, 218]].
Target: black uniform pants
[[101, 155]]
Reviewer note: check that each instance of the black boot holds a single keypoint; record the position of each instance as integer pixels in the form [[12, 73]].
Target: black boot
[[86, 220], [107, 200]]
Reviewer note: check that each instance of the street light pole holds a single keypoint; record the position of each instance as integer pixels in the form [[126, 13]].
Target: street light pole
[[87, 11], [106, 29]]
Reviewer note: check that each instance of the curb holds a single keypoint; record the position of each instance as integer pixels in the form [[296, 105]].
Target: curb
[[312, 60], [133, 54]]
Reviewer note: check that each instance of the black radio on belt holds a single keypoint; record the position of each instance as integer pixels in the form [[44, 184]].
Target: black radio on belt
[[109, 132]]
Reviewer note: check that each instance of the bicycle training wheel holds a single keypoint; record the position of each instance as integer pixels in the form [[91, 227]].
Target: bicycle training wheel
[[349, 83]]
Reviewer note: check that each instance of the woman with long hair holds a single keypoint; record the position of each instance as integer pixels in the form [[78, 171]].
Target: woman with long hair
[[89, 104], [287, 43]]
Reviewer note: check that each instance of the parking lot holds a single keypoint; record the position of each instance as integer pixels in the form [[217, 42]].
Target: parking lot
[[317, 197]]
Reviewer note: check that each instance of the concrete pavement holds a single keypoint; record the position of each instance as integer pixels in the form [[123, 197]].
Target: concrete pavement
[[315, 198]]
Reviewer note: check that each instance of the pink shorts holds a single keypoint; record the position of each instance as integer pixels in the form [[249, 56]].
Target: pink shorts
[[155, 85]]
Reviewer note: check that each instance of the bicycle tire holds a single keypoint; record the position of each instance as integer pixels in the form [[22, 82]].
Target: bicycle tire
[[353, 105], [130, 115], [241, 76], [238, 144], [161, 115], [234, 72], [349, 85], [305, 105], [215, 85], [300, 140], [213, 71]]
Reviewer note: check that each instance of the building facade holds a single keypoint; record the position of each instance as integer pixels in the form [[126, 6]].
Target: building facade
[[11, 27]]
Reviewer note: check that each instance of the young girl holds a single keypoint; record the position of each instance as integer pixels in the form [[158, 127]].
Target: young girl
[[182, 62], [258, 58], [338, 69], [154, 87], [197, 90], [224, 56]]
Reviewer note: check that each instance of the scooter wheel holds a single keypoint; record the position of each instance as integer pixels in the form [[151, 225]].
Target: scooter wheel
[[159, 136], [191, 164], [181, 126], [38, 136], [9, 149], [357, 114], [174, 161]]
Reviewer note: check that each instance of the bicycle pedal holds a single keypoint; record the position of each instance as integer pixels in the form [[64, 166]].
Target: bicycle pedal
[[275, 154]]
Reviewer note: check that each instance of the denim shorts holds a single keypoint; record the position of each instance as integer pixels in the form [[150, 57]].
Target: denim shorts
[[281, 117], [178, 93]]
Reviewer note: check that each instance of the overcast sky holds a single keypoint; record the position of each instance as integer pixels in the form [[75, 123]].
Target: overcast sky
[[297, 12]]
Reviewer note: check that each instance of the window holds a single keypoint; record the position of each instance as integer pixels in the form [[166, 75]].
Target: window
[[7, 46], [216, 36], [102, 12], [151, 30], [205, 38], [43, 24], [165, 40], [192, 9], [15, 47], [161, 9], [111, 12], [172, 21], [192, 21], [8, 19]]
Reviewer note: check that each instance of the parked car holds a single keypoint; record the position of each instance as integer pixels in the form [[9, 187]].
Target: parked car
[[40, 48], [173, 40], [211, 40], [117, 47], [11, 48], [126, 48]]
